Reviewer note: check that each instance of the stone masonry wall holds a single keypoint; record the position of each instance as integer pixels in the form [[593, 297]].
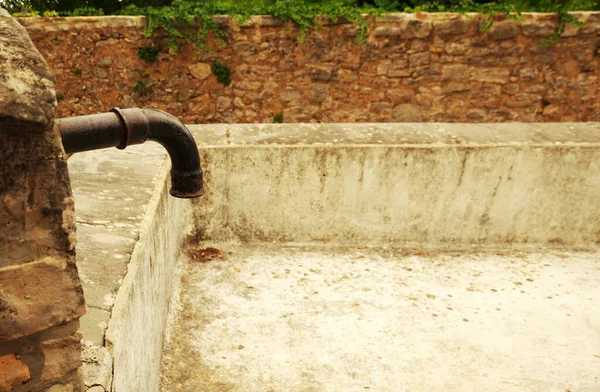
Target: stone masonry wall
[[41, 298], [413, 67]]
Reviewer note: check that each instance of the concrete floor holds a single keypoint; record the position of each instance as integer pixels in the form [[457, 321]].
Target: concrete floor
[[281, 319]]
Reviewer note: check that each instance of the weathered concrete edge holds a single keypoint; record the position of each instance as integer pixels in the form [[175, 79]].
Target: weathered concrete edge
[[119, 314], [64, 23], [409, 135], [551, 178], [136, 352]]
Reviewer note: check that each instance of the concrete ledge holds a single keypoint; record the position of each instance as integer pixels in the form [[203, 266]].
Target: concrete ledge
[[405, 20], [112, 191], [116, 201], [406, 134], [389, 184]]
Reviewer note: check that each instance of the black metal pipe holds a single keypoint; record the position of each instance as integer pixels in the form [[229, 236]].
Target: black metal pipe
[[124, 127]]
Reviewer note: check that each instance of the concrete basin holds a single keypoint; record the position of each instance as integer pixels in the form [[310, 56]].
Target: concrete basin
[[382, 257]]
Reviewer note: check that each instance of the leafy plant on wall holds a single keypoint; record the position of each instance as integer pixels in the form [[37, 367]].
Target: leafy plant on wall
[[148, 53], [222, 73], [141, 87], [192, 20], [278, 118]]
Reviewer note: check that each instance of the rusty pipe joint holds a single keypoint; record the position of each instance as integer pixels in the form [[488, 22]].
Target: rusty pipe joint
[[124, 127]]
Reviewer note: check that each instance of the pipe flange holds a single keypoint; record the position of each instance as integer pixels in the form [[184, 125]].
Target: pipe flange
[[126, 130]]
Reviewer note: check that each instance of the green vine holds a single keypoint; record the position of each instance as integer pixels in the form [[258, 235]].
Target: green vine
[[189, 21], [563, 18], [514, 9], [192, 20], [305, 15], [493, 10]]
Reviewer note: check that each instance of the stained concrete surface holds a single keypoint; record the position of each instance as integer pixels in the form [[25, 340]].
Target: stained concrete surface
[[429, 134], [112, 190], [376, 184], [275, 318], [139, 316], [128, 232], [123, 211]]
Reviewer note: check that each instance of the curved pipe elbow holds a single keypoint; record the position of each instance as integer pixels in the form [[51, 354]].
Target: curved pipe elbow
[[123, 127], [186, 173]]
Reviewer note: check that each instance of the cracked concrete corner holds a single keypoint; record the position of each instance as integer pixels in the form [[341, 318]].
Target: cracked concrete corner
[[97, 368]]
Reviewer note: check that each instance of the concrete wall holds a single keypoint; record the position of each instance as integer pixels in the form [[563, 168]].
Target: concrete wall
[[41, 298], [427, 185], [112, 192], [139, 315], [384, 184], [412, 68]]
